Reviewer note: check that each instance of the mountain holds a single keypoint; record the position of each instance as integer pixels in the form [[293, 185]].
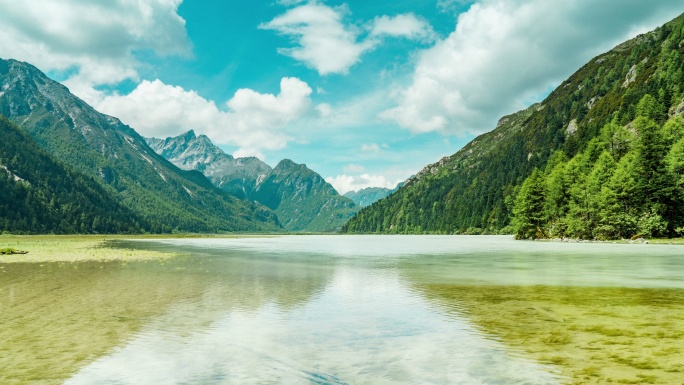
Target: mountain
[[300, 197], [368, 196], [474, 190], [190, 152], [303, 200], [40, 195], [103, 148]]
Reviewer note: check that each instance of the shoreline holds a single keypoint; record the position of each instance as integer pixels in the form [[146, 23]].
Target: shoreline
[[82, 248]]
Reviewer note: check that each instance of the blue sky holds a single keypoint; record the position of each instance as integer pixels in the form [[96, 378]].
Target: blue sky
[[366, 93]]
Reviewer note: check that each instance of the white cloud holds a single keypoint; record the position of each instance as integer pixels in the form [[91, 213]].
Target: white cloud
[[405, 25], [253, 121], [97, 39], [328, 45], [505, 52], [345, 183], [325, 43], [324, 110]]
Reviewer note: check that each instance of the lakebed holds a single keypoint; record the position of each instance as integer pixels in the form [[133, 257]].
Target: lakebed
[[320, 309]]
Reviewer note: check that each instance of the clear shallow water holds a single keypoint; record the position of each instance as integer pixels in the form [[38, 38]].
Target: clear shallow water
[[344, 309]]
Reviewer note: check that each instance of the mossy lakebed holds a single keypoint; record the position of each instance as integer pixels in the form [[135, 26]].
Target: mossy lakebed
[[594, 335], [63, 303]]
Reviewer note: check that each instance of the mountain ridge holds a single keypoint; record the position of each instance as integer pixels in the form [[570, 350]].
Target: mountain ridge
[[369, 195]]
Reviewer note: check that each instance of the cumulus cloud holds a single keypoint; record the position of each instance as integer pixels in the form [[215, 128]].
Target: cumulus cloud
[[96, 40], [505, 52], [406, 25], [251, 122], [325, 43], [345, 183], [329, 45]]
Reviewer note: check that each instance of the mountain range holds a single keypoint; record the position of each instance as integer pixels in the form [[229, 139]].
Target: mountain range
[[114, 155], [301, 198]]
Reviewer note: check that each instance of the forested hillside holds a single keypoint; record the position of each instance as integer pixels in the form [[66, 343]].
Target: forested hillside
[[473, 191], [303, 200], [627, 183], [40, 195]]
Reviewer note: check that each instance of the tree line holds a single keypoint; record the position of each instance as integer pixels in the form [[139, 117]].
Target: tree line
[[628, 182]]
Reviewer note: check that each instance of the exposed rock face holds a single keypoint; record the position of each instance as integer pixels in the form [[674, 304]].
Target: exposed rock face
[[190, 152], [572, 127], [632, 74], [677, 110]]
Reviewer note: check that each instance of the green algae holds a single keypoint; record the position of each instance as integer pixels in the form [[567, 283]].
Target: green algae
[[593, 335]]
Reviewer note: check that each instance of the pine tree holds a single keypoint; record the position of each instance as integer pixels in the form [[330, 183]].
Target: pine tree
[[529, 212], [655, 186]]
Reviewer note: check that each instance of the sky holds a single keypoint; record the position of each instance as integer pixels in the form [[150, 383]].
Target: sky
[[366, 93]]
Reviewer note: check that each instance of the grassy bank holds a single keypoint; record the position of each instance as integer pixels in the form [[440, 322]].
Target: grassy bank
[[593, 335], [71, 248]]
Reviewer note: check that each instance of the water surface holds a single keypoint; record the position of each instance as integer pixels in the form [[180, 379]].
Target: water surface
[[328, 309]]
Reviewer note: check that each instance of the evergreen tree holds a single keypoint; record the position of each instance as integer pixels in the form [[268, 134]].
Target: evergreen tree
[[557, 196], [578, 216], [655, 186], [601, 199], [617, 139], [529, 208]]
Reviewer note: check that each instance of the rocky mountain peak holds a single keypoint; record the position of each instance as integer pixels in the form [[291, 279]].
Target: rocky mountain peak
[[189, 135], [289, 165], [191, 152]]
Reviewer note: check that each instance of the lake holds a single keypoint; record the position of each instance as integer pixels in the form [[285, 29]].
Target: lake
[[349, 310]]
